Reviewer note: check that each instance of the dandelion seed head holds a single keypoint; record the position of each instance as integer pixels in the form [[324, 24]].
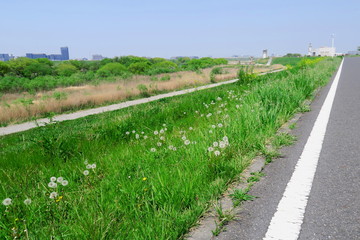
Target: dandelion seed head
[[127, 133], [142, 132], [209, 115], [164, 125], [183, 138], [153, 149], [222, 145], [217, 153], [133, 131], [145, 137], [171, 147], [53, 195], [88, 166], [190, 128], [213, 126], [226, 139], [162, 138], [59, 179], [53, 179], [210, 131], [86, 172], [174, 148], [7, 201], [156, 132], [215, 144], [27, 201], [52, 185], [162, 131], [137, 136], [64, 183], [159, 144], [210, 149], [93, 166], [220, 125], [186, 142]]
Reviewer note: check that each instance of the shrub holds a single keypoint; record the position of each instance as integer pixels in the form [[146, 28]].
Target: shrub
[[139, 68], [246, 75], [111, 69], [65, 69]]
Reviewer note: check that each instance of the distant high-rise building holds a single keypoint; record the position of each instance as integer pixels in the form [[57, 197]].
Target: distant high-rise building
[[36, 55], [65, 53], [53, 57], [265, 54], [97, 57], [4, 57]]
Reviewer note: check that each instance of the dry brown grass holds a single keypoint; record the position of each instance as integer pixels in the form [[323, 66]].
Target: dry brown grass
[[12, 110]]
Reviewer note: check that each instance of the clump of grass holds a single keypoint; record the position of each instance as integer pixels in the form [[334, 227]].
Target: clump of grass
[[240, 196]]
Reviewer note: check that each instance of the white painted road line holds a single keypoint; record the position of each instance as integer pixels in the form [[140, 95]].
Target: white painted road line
[[287, 220]]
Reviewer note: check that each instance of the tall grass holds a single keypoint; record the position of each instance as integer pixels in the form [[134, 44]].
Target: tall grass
[[157, 165]]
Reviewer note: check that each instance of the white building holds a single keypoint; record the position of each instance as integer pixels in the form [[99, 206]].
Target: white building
[[322, 51], [265, 54]]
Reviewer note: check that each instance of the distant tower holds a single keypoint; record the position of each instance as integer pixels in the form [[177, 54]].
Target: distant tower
[[332, 40], [265, 53], [310, 50], [64, 53]]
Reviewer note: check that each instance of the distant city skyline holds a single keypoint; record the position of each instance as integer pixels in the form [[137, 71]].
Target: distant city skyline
[[177, 28]]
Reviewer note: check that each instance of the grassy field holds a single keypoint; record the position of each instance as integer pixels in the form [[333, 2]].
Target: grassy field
[[17, 107], [149, 171]]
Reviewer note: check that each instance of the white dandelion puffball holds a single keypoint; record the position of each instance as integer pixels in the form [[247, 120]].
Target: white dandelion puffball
[[145, 137], [209, 115], [53, 179], [64, 183], [86, 172], [164, 125], [210, 131], [137, 136], [219, 98], [52, 185], [237, 106], [162, 138], [171, 147], [27, 201], [6, 201], [217, 153], [162, 131], [159, 144], [226, 139], [153, 149], [190, 128], [210, 149], [133, 131], [53, 195], [215, 144], [213, 126], [60, 179], [93, 166], [174, 148], [222, 145], [183, 138], [165, 129], [156, 132], [186, 142], [88, 166], [220, 125], [142, 132], [86, 162], [127, 133]]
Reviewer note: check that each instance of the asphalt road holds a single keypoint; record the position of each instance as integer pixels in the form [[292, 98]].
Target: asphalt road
[[333, 207]]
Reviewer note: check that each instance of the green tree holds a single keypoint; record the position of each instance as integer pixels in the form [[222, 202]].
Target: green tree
[[112, 69], [4, 68], [37, 69], [66, 69], [18, 65], [139, 67]]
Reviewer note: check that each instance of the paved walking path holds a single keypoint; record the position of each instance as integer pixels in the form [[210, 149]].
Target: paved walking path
[[63, 117], [313, 191]]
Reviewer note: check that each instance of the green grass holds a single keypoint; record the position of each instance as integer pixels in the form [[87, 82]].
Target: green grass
[[136, 192], [292, 61]]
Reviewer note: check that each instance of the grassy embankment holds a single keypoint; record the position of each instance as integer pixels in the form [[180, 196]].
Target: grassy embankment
[[157, 165]]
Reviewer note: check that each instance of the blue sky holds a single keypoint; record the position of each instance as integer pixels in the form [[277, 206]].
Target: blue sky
[[172, 28]]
